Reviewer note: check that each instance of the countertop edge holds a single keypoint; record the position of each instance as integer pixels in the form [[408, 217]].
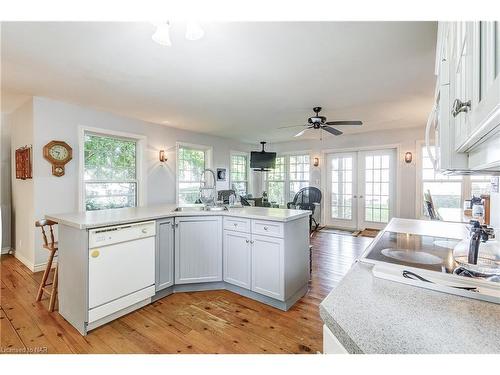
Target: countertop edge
[[72, 224], [346, 341]]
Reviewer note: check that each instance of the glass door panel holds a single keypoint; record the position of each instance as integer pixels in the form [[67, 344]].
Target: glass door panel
[[341, 205], [376, 188]]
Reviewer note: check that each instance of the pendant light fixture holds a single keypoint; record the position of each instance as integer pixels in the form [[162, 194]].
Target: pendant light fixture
[[162, 34]]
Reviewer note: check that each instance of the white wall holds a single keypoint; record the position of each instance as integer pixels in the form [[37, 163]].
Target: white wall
[[21, 128], [54, 120], [406, 138], [5, 191]]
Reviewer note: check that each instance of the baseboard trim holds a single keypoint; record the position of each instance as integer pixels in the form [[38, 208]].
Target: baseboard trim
[[31, 266], [6, 250]]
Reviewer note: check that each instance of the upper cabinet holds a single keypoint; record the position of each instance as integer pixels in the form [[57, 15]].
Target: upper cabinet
[[466, 114], [475, 82]]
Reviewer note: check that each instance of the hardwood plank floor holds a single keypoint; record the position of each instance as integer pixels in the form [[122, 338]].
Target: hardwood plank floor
[[198, 322]]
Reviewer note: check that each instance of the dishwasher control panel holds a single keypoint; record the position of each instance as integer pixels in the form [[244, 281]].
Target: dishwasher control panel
[[121, 233]]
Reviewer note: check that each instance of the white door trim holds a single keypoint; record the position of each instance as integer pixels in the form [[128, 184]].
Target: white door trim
[[398, 163]]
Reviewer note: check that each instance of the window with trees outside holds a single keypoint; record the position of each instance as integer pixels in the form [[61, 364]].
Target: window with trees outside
[[110, 172], [239, 173], [276, 182], [298, 173], [190, 165], [291, 173]]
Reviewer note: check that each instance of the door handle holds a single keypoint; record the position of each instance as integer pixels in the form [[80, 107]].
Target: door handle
[[360, 196], [460, 106], [354, 196]]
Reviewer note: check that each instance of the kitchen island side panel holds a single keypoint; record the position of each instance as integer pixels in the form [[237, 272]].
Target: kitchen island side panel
[[296, 256], [73, 276]]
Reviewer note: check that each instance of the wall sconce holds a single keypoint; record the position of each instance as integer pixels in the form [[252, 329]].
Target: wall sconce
[[162, 156], [316, 162], [408, 157]]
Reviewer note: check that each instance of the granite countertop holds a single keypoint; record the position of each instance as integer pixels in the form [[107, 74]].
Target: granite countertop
[[373, 315], [101, 218]]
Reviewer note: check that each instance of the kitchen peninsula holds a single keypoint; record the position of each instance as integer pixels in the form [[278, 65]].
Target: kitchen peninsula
[[112, 262]]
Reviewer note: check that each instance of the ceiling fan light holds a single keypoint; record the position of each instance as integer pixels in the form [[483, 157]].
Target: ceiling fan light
[[162, 34], [194, 31]]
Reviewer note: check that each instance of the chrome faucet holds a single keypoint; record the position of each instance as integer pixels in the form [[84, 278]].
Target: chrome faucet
[[204, 186], [478, 233]]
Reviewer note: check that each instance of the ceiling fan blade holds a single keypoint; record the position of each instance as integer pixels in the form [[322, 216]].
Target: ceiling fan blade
[[331, 130], [344, 123], [301, 132], [290, 126]]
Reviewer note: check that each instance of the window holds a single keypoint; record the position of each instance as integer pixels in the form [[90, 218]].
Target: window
[[191, 160], [446, 191], [480, 185], [239, 173], [291, 173], [110, 172], [276, 182], [450, 191], [298, 173]]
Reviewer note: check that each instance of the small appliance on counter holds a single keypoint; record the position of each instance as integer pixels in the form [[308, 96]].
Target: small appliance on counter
[[468, 267]]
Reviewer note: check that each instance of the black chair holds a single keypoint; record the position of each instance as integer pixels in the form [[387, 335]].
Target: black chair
[[307, 198]]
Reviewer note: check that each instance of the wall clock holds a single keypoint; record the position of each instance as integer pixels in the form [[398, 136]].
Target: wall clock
[[58, 153]]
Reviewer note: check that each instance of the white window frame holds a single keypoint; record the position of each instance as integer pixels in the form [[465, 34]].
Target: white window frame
[[208, 150], [287, 180], [466, 189], [249, 175], [141, 143]]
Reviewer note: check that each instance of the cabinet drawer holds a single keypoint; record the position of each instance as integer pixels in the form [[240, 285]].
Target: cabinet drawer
[[267, 228], [238, 224]]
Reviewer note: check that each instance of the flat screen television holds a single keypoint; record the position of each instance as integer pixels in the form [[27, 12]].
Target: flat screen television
[[262, 160]]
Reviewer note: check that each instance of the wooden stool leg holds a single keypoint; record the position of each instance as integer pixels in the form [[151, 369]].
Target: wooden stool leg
[[53, 296], [45, 275]]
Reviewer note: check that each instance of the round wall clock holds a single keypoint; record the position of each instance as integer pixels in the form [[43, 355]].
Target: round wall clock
[[58, 153]]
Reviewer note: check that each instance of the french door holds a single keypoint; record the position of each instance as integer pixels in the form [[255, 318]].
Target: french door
[[361, 188]]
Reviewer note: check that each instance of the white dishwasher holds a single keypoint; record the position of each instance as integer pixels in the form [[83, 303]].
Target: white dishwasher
[[121, 268]]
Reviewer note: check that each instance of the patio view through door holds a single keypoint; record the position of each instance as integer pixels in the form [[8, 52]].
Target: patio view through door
[[360, 188]]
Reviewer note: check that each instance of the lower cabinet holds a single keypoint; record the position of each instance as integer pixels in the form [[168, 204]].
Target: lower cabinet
[[237, 258], [268, 266], [198, 249], [164, 272]]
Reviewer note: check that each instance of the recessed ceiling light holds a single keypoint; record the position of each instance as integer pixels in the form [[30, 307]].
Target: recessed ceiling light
[[194, 30], [162, 34]]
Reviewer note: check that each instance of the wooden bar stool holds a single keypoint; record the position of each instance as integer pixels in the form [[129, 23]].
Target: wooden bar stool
[[52, 247]]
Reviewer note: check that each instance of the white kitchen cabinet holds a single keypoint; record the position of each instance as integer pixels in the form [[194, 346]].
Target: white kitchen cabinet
[[237, 258], [164, 253], [268, 266], [461, 80], [198, 249]]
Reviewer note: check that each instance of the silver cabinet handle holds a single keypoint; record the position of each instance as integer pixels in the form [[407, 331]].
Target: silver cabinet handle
[[266, 228], [251, 241], [247, 241], [460, 107], [235, 224], [177, 225], [144, 231]]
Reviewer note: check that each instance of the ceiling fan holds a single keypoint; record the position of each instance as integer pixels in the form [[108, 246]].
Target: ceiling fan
[[319, 122]]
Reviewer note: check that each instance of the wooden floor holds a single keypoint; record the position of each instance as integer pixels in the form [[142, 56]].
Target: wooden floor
[[198, 322]]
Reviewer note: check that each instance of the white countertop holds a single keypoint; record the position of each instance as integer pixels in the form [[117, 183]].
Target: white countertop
[[372, 315], [102, 218]]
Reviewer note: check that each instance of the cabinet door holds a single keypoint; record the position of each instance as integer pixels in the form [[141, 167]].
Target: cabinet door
[[164, 253], [268, 266], [462, 82], [237, 258], [198, 249]]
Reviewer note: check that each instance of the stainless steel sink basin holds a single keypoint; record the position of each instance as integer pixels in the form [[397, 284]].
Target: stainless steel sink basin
[[215, 208], [189, 209], [200, 208]]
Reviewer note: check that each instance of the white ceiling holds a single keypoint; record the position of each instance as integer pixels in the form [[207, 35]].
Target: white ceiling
[[242, 80]]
